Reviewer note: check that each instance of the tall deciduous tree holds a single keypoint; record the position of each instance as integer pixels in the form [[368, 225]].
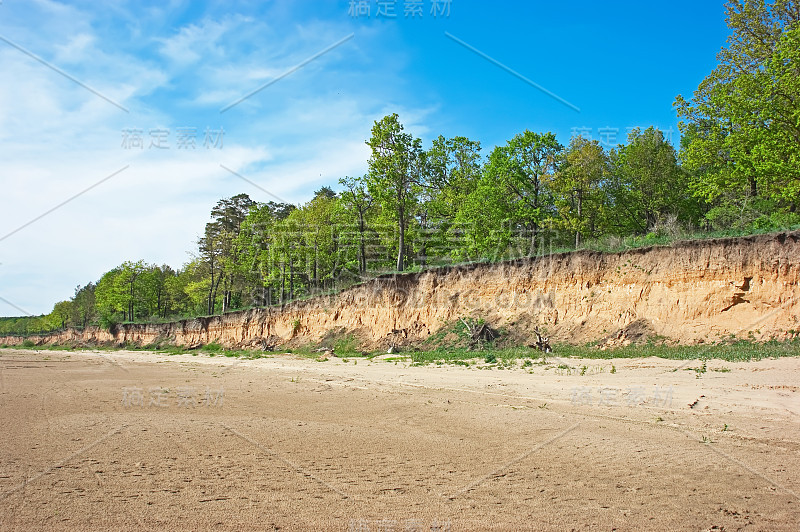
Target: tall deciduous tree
[[358, 202], [393, 165], [84, 309], [256, 245], [514, 182], [118, 290], [62, 313], [649, 183], [741, 132], [578, 187], [452, 172]]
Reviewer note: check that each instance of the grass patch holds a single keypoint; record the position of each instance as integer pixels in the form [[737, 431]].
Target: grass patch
[[62, 347], [737, 351], [500, 355], [732, 351], [213, 347], [347, 346], [304, 351]]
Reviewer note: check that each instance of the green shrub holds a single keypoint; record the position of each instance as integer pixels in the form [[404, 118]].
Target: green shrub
[[347, 346]]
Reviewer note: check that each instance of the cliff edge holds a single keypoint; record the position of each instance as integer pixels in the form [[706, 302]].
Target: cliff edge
[[690, 292]]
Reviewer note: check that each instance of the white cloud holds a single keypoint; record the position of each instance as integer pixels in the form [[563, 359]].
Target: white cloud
[[75, 50], [199, 41], [305, 131]]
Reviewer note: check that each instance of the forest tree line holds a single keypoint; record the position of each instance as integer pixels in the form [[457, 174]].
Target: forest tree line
[[737, 167]]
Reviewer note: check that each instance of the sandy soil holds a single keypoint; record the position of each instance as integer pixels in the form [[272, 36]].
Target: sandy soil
[[128, 440]]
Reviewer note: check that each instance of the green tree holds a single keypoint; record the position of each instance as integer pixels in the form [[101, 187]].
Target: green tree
[[649, 184], [110, 296], [84, 308], [217, 250], [512, 197], [228, 214], [452, 172], [309, 244], [195, 282], [393, 169], [61, 315], [130, 272], [154, 298], [120, 291], [257, 244], [176, 300], [321, 240], [358, 203], [741, 130], [578, 188]]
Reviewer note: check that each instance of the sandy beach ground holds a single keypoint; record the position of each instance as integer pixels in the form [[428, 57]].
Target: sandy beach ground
[[134, 440]]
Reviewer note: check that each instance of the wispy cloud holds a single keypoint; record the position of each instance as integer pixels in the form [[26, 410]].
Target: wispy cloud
[[59, 138], [202, 40], [289, 71]]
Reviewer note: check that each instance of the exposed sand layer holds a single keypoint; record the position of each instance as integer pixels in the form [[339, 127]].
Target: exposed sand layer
[[294, 444], [691, 292]]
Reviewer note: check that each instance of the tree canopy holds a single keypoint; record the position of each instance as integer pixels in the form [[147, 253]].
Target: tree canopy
[[741, 129]]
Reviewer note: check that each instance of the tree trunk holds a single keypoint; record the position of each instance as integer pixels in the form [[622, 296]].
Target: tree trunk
[[214, 296], [577, 229], [283, 283], [291, 279], [130, 303], [401, 247], [362, 260], [316, 271], [211, 293]]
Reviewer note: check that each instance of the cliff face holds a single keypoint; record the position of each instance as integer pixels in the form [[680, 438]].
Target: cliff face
[[690, 292]]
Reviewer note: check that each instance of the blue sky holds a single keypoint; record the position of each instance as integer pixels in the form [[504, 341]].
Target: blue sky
[[157, 67]]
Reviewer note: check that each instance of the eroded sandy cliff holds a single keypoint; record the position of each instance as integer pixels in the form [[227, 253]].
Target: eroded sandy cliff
[[690, 292]]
